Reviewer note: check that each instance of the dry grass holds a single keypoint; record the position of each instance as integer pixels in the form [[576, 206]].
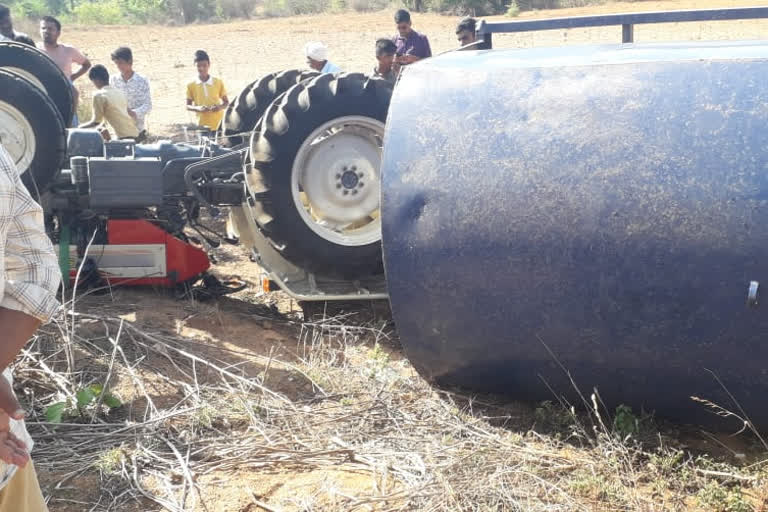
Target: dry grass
[[348, 417]]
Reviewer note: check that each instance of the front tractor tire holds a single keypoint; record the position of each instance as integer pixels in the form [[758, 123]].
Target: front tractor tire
[[31, 130], [314, 174]]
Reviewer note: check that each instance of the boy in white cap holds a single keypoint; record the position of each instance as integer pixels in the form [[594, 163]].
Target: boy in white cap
[[317, 58]]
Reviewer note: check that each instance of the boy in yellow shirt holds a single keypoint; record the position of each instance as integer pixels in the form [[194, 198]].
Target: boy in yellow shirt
[[206, 94], [110, 106]]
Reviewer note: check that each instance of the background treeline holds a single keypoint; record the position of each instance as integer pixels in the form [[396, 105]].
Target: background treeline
[[109, 12]]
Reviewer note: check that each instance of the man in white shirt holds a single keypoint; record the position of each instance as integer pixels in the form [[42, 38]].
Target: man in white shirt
[[134, 86], [28, 287], [317, 58]]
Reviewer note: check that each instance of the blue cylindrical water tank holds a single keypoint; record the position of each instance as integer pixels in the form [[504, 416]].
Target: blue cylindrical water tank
[[601, 208]]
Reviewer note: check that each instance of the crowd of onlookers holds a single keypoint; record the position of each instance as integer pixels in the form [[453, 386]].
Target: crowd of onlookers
[[123, 99]]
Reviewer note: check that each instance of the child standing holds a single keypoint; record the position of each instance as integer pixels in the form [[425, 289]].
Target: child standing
[[206, 95], [134, 86]]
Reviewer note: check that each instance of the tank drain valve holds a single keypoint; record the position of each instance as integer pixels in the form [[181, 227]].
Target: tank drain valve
[[752, 294]]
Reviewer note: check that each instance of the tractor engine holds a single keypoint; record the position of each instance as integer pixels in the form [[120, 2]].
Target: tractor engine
[[128, 212]]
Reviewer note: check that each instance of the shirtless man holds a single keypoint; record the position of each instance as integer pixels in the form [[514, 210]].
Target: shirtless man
[[63, 55]]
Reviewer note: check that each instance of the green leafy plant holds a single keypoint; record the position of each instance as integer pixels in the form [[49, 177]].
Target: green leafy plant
[[554, 417], [84, 397], [378, 361], [625, 423], [718, 498]]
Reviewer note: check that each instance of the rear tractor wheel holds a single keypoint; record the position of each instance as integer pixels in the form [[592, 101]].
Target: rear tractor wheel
[[314, 173]]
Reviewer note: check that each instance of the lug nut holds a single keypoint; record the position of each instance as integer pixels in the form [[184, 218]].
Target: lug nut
[[361, 184], [346, 192], [354, 192], [338, 185], [338, 176], [360, 174], [353, 168]]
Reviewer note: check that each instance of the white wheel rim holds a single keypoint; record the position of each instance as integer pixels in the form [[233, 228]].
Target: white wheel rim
[[336, 181], [17, 136]]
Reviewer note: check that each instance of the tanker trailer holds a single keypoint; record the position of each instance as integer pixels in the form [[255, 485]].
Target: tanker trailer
[[593, 213]]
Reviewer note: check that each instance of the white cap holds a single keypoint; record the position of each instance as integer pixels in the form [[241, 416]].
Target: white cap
[[316, 51]]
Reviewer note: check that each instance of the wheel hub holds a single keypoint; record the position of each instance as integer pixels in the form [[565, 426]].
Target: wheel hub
[[349, 179]]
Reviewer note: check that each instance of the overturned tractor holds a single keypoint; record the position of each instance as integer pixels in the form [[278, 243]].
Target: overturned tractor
[[298, 154], [551, 220]]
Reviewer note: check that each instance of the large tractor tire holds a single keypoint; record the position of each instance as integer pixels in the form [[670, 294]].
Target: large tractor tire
[[314, 165], [31, 130], [39, 69], [244, 113]]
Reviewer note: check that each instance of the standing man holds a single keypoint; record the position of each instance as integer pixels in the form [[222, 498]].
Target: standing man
[[465, 32], [110, 106], [411, 46], [28, 285], [385, 57], [134, 86], [6, 26], [206, 95], [63, 55], [317, 58]]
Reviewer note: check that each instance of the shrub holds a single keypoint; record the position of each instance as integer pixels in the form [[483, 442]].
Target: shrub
[[145, 11], [471, 7], [99, 13], [294, 7], [235, 8], [527, 5], [368, 5], [513, 10], [34, 9]]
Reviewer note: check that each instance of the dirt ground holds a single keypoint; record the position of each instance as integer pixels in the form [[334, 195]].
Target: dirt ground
[[242, 51]]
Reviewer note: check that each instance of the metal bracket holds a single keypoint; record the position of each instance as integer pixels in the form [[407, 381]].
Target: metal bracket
[[296, 282]]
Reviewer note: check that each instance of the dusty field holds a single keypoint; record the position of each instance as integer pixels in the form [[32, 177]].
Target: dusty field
[[358, 430], [243, 51]]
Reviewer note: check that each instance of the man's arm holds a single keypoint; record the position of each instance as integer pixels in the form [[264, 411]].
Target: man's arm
[[421, 50], [196, 108], [145, 98], [427, 47], [98, 113], [221, 106], [32, 274], [408, 59], [191, 102], [85, 64]]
